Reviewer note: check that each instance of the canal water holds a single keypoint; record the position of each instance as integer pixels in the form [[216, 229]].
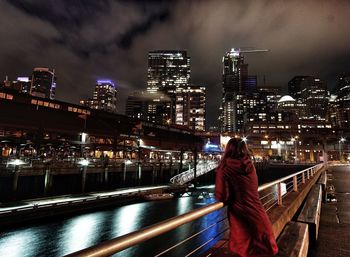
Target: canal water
[[64, 235]]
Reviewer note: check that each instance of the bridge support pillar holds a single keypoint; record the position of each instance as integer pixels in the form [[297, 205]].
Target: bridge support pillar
[[83, 179], [48, 179], [15, 183], [105, 175]]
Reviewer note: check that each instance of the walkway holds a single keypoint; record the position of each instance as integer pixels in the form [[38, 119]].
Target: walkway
[[334, 230], [71, 199]]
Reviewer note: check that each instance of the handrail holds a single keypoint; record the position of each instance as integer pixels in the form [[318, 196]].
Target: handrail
[[275, 182], [115, 245], [120, 243]]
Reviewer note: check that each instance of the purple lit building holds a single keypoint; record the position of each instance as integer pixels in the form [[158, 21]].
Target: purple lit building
[[104, 97]]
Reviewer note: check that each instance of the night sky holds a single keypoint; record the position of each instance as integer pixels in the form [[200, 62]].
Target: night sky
[[101, 39]]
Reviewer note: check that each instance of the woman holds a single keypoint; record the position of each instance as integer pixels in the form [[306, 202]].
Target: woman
[[236, 185]]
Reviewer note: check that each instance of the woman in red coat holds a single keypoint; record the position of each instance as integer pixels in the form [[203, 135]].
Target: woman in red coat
[[236, 185]]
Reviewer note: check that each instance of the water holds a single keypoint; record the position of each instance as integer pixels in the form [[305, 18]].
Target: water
[[65, 235]]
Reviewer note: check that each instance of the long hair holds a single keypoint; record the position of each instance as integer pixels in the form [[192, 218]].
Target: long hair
[[236, 149]]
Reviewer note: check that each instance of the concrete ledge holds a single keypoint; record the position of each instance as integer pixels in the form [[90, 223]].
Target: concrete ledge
[[311, 211], [323, 182], [294, 240]]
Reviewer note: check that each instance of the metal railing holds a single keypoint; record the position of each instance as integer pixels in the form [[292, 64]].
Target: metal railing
[[188, 175], [271, 194]]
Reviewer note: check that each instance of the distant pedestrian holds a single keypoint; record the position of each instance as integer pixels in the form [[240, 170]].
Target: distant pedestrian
[[251, 232]]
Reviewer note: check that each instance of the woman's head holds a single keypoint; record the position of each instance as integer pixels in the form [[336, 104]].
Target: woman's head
[[236, 148]]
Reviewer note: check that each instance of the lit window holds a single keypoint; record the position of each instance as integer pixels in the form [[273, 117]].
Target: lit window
[[9, 97]]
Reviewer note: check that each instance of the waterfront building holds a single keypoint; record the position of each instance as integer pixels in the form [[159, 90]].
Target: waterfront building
[[168, 72], [43, 83], [190, 107], [104, 97]]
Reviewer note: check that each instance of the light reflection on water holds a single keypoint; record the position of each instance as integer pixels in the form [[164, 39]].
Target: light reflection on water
[[65, 235]]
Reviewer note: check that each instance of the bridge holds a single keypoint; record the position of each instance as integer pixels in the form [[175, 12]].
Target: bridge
[[305, 193]]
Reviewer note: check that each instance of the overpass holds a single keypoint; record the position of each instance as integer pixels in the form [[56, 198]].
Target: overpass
[[281, 198]]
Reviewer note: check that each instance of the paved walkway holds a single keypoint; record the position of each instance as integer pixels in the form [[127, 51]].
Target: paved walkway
[[334, 231]]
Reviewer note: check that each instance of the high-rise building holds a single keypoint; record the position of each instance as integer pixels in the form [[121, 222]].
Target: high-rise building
[[43, 83], [237, 89], [190, 107], [341, 104], [137, 105], [104, 97], [315, 96], [295, 86], [168, 70]]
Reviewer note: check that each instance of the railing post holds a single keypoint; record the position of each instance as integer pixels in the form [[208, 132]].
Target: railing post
[[279, 191], [303, 177], [308, 174], [295, 184]]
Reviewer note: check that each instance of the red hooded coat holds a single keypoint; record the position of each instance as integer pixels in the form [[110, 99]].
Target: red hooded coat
[[251, 232]]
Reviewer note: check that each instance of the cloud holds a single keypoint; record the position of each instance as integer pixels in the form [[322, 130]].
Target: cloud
[[88, 40]]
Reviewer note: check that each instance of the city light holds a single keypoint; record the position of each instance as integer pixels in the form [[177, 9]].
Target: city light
[[16, 162], [84, 162]]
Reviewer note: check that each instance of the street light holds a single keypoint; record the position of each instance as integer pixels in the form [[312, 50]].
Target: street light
[[341, 140]]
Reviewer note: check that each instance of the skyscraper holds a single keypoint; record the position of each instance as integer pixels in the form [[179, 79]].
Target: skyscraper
[[43, 83], [294, 86], [315, 96], [190, 107], [104, 97], [168, 70], [236, 85], [342, 101]]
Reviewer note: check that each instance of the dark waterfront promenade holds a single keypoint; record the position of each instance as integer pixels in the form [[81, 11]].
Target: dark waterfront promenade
[[334, 231]]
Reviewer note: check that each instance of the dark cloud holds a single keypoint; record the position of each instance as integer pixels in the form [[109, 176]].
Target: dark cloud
[[87, 40]]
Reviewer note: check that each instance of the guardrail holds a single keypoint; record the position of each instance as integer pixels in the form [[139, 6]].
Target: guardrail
[[188, 175], [271, 194]]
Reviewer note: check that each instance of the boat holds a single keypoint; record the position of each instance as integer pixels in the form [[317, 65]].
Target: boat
[[155, 197]]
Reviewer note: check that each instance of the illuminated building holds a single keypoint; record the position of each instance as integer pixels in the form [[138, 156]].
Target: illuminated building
[[190, 107], [43, 83], [168, 70], [315, 96], [22, 85], [236, 85], [341, 104], [104, 97]]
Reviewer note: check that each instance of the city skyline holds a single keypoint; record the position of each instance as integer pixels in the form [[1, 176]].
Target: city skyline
[[86, 40]]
